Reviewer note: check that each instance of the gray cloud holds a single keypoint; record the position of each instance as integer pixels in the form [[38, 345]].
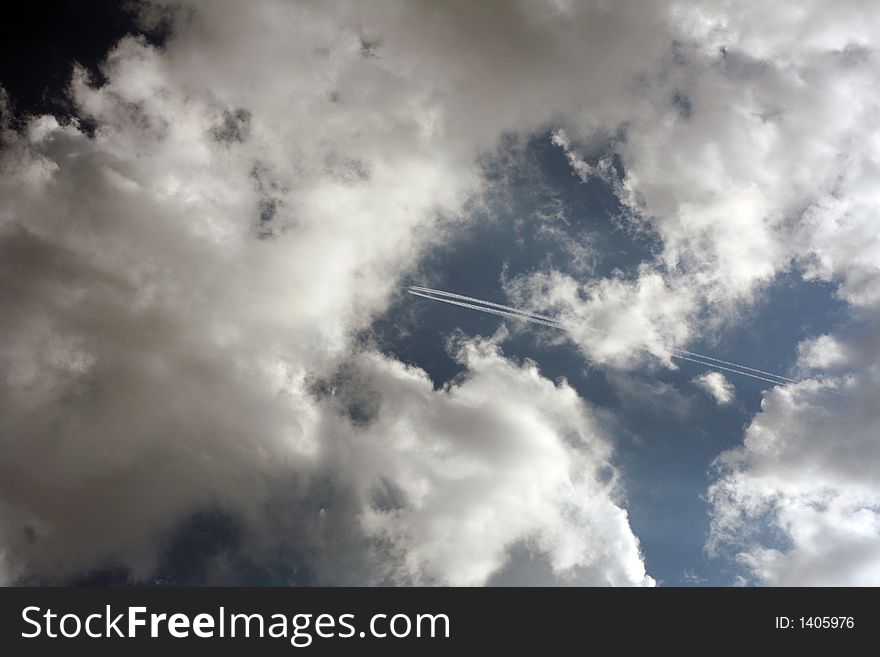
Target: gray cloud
[[181, 291], [160, 354]]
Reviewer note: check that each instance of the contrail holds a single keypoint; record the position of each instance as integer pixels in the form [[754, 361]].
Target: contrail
[[515, 313], [483, 302], [728, 369], [492, 311], [751, 369], [824, 390]]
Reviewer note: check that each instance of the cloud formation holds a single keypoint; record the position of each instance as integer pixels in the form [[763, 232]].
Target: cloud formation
[[716, 386], [182, 290], [797, 503], [502, 456], [744, 153]]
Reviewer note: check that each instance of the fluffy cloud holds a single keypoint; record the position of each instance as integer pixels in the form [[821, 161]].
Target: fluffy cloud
[[746, 153], [797, 503], [717, 386], [182, 288], [743, 152], [459, 475], [615, 320]]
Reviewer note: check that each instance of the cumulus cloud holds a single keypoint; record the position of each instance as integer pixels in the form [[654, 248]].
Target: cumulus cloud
[[744, 152], [796, 490], [824, 352], [615, 320], [717, 387], [500, 457], [181, 289], [797, 503]]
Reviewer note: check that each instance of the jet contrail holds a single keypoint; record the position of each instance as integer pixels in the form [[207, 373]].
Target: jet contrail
[[751, 369], [515, 313], [824, 390], [728, 369], [492, 311], [453, 295]]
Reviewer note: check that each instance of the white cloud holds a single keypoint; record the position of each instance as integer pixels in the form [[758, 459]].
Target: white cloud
[[256, 188], [824, 352], [156, 349], [174, 287], [745, 150], [716, 386], [796, 500], [500, 457], [797, 503], [613, 320]]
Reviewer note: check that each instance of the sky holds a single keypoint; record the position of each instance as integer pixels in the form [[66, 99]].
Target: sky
[[210, 369]]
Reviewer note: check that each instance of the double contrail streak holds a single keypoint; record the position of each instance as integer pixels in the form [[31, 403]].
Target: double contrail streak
[[453, 295], [503, 313], [515, 313], [729, 369], [751, 369]]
